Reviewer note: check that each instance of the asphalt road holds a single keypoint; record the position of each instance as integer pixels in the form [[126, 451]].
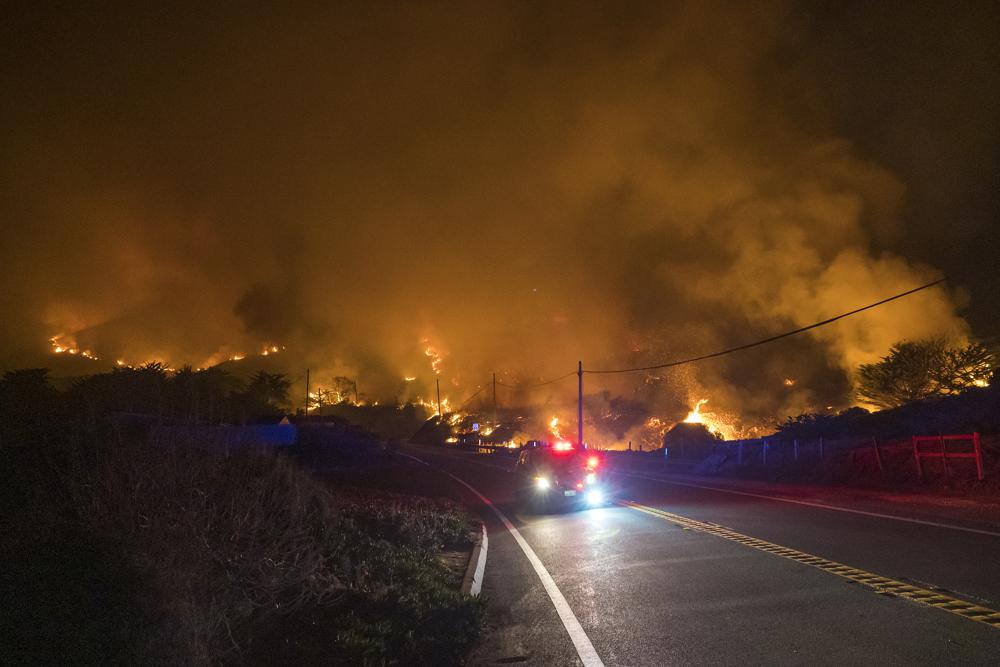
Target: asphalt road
[[646, 590]]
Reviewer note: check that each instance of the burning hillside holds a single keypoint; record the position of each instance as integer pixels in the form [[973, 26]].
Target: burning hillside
[[461, 206]]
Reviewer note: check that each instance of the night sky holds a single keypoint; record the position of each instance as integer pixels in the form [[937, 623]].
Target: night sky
[[515, 186]]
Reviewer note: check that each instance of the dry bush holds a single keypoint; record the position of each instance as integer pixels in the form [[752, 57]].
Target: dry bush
[[226, 538], [233, 547]]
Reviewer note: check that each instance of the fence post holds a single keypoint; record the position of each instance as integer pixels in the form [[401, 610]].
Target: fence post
[[916, 455], [878, 456], [944, 456], [979, 455]]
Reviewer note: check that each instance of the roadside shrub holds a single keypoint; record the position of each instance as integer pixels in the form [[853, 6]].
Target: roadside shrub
[[229, 548]]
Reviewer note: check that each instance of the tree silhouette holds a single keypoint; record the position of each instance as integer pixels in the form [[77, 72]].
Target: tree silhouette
[[266, 393], [915, 370]]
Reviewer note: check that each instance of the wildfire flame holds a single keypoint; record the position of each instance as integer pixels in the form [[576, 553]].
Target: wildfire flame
[[695, 416], [554, 428], [433, 406], [65, 344], [711, 421], [61, 345], [435, 357]]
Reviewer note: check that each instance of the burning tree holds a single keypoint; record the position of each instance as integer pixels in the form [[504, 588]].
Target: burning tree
[[915, 370], [343, 389], [320, 399]]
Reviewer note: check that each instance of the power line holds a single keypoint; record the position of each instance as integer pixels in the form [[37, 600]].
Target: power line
[[537, 384], [772, 338], [463, 403]]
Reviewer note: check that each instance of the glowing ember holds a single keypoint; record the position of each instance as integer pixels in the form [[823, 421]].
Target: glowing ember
[[657, 423], [410, 378], [789, 382]]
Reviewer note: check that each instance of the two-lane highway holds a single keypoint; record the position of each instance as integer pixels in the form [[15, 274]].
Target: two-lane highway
[[696, 576]]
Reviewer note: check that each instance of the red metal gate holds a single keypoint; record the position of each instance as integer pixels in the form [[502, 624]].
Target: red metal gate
[[942, 452]]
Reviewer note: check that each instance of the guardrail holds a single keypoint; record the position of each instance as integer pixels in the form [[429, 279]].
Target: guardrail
[[488, 449]]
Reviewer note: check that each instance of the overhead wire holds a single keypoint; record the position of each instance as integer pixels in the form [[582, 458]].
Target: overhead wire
[[703, 357], [771, 339], [535, 384], [466, 401]]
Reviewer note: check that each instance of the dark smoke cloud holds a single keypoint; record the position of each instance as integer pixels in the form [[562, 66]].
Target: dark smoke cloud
[[509, 187]]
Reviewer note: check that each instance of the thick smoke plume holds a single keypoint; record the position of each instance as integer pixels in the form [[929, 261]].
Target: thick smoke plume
[[502, 188]]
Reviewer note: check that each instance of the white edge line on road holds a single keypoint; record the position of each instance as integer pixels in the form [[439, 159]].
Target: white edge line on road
[[584, 647], [472, 583], [421, 462], [834, 508]]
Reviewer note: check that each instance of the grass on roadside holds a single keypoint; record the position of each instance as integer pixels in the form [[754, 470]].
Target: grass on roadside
[[243, 557]]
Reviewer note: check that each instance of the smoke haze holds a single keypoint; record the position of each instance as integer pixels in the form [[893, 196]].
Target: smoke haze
[[501, 187]]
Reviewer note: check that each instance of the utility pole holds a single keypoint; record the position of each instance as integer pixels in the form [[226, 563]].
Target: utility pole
[[494, 400], [307, 391], [579, 405], [438, 382]]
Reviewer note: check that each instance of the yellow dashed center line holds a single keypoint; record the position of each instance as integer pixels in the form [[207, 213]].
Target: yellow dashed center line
[[880, 584]]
